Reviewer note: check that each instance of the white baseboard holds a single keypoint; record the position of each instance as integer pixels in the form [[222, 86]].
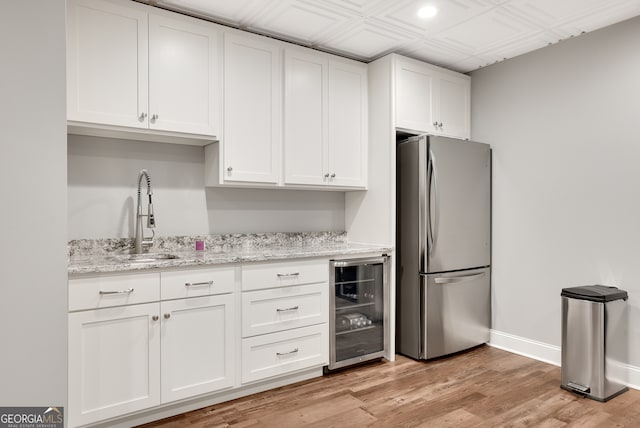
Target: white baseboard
[[546, 353], [522, 346]]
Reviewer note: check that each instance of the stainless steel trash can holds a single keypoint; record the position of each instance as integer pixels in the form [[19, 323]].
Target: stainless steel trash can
[[594, 341]]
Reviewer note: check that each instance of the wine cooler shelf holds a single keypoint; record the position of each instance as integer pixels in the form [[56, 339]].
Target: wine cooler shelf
[[358, 327]]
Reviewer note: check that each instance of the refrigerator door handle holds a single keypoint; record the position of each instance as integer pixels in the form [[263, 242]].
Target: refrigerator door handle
[[461, 278], [433, 176]]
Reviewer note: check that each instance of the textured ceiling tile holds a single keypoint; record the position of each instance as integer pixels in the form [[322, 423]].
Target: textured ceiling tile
[[551, 12], [299, 20], [366, 41], [433, 52], [466, 34], [234, 12], [469, 64], [450, 12], [486, 31]]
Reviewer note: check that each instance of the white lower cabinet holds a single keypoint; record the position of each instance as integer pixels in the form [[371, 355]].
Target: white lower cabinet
[[114, 362], [284, 352], [138, 341], [197, 346], [284, 318], [128, 358]]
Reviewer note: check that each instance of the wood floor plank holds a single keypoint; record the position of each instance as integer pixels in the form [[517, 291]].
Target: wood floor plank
[[483, 388]]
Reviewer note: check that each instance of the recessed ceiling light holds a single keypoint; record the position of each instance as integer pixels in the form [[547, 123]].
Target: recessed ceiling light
[[427, 12]]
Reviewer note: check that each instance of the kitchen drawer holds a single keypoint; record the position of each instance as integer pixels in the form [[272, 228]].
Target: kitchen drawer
[[284, 352], [197, 282], [283, 308], [113, 290], [282, 274]]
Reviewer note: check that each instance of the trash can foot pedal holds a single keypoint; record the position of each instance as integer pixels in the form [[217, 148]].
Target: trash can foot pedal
[[579, 388]]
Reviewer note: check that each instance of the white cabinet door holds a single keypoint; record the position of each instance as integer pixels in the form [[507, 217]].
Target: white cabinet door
[[414, 94], [305, 117], [183, 86], [197, 346], [114, 362], [347, 145], [107, 63], [252, 110], [452, 107]]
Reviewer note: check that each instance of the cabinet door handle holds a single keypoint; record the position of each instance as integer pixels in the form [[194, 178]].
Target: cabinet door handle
[[154, 118], [333, 175], [435, 123], [229, 169], [285, 275], [326, 175], [279, 354], [194, 284], [155, 318], [142, 117], [127, 291], [292, 308], [167, 316], [440, 125]]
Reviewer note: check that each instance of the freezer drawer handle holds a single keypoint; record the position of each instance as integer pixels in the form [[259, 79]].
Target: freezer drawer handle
[[462, 278]]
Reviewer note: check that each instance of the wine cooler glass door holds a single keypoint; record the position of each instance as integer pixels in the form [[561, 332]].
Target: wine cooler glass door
[[358, 324]]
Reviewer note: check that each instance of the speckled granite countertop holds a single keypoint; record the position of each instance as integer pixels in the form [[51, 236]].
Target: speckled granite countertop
[[111, 255]]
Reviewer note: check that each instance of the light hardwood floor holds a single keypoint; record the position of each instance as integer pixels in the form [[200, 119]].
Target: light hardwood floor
[[485, 387]]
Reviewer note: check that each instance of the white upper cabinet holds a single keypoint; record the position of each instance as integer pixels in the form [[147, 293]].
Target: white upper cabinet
[[305, 117], [325, 120], [430, 99], [293, 117], [452, 105], [252, 111], [414, 96], [348, 122], [133, 66], [182, 67], [107, 63]]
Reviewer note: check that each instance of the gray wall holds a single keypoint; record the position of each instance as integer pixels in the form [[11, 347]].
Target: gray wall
[[564, 125], [33, 222], [103, 184]]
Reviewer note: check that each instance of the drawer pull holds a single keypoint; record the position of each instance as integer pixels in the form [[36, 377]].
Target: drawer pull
[[279, 354], [292, 308], [194, 284], [127, 291], [285, 275]]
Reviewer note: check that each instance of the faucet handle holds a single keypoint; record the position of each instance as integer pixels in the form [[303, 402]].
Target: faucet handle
[[151, 219]]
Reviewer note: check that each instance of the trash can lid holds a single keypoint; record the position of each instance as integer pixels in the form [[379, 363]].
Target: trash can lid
[[595, 293]]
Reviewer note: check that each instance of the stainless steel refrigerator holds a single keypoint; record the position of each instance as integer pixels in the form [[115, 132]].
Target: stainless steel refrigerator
[[444, 250]]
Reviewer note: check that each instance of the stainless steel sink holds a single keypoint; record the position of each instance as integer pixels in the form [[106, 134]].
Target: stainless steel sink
[[145, 257]]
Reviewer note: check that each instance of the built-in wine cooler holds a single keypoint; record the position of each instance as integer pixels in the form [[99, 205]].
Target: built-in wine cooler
[[359, 318]]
